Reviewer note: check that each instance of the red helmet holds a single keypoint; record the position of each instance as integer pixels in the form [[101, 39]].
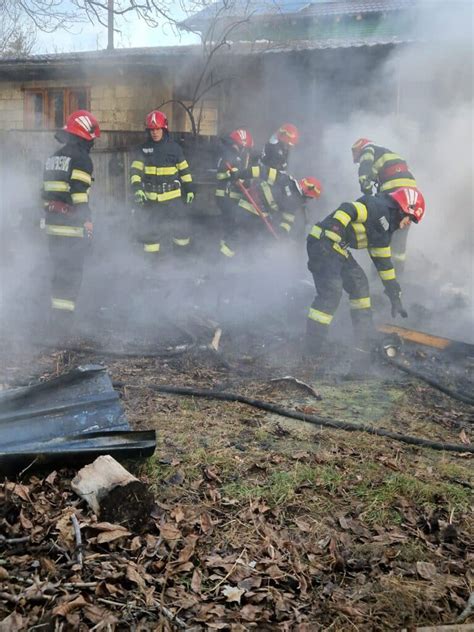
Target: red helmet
[[310, 187], [288, 134], [156, 120], [84, 124], [358, 146], [242, 137], [411, 202]]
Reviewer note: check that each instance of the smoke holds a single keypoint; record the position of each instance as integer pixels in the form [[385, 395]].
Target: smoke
[[415, 99]]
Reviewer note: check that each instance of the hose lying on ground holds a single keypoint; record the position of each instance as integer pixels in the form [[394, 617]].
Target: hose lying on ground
[[293, 414], [462, 397]]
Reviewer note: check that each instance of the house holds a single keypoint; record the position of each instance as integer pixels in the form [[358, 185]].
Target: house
[[308, 62]]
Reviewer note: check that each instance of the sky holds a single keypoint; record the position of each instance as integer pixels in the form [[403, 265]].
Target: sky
[[133, 32]]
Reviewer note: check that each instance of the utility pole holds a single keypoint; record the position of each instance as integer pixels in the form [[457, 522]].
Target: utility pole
[[110, 24]]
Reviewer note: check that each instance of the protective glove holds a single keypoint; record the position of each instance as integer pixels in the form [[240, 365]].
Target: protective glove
[[140, 196], [189, 197], [234, 175], [397, 306]]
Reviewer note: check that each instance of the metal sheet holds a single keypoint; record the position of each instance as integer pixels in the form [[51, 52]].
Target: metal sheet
[[76, 413]]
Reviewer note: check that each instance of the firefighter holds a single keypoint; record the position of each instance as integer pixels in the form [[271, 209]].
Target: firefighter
[[278, 195], [162, 184], [368, 223], [276, 151], [387, 171], [67, 179], [234, 156]]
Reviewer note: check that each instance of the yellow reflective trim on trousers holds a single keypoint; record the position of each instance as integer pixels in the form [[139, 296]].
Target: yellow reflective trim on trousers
[[138, 164], [187, 178], [225, 250], [255, 172], [360, 303], [379, 163], [360, 235], [162, 197], [399, 182], [342, 217], [182, 242], [183, 165], [151, 247], [387, 275], [361, 212], [83, 176], [268, 195], [235, 196], [285, 226], [400, 257], [79, 198], [56, 185], [64, 231], [135, 179], [320, 317], [289, 217], [272, 175], [63, 304], [380, 252], [220, 192], [316, 231]]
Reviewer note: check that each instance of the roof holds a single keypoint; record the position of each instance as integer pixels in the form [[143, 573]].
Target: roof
[[153, 56], [238, 9]]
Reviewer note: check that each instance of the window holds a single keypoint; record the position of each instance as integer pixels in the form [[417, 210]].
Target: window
[[49, 108]]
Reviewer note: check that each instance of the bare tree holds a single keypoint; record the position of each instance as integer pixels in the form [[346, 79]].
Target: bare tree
[[215, 40]]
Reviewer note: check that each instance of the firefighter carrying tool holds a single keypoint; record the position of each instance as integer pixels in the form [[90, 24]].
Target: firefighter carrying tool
[[368, 223], [66, 182], [234, 156], [387, 171], [159, 176], [276, 151]]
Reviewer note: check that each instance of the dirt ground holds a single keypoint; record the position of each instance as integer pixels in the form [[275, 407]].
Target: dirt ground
[[261, 522]]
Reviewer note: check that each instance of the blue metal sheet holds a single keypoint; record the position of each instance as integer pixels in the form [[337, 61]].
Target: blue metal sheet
[[76, 413]]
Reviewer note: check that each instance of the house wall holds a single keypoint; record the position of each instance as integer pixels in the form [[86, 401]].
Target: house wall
[[119, 103]]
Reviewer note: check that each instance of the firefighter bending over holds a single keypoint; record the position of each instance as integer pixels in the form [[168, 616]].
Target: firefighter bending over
[[368, 223], [66, 182], [161, 181], [234, 156], [276, 152], [387, 171]]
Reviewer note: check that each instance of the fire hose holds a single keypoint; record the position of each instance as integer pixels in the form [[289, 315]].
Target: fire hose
[[257, 208], [293, 414]]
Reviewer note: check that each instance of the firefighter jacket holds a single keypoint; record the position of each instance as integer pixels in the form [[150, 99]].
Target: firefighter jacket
[[67, 179], [161, 171], [380, 166], [238, 160], [368, 223], [275, 154], [277, 193]]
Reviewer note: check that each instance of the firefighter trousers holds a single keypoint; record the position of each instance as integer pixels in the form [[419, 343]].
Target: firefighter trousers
[[67, 255], [163, 228], [332, 273]]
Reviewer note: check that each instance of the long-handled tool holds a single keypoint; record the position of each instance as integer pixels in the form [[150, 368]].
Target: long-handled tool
[[249, 197]]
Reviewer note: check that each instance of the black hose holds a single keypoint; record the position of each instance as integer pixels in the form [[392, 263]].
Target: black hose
[[312, 419], [462, 397]]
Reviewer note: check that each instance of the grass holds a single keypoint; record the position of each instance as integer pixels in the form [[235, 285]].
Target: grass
[[383, 500]]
